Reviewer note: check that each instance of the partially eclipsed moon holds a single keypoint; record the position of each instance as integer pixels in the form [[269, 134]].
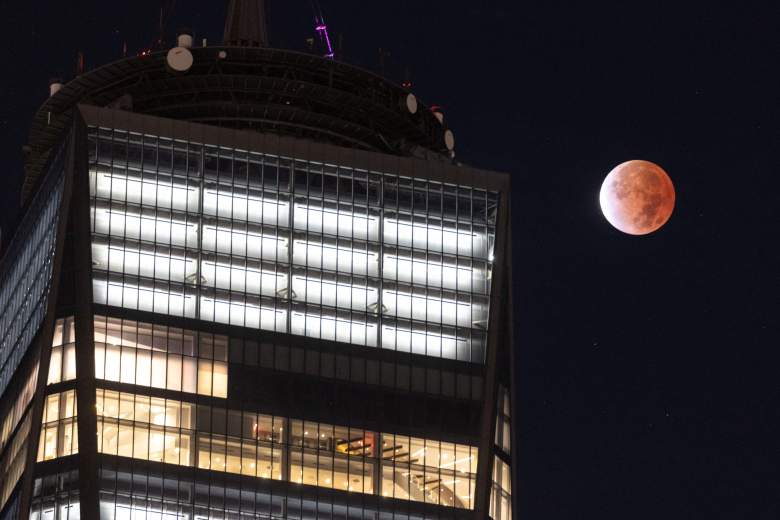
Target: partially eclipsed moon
[[637, 197]]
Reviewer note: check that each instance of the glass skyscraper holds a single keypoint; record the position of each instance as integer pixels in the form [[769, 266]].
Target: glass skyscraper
[[256, 288]]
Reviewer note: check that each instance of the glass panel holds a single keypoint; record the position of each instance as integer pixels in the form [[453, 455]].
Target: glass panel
[[219, 248], [317, 454], [142, 358]]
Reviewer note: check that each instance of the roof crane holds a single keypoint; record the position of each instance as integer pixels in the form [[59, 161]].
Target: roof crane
[[322, 30]]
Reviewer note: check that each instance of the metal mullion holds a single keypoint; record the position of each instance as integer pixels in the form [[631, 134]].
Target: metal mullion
[[308, 269], [285, 447], [380, 265], [338, 236], [457, 281], [471, 224], [232, 184], [199, 234], [290, 241]]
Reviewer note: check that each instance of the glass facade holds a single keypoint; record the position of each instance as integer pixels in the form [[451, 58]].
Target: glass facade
[[62, 364], [279, 448], [56, 497], [282, 245], [15, 414], [59, 431], [25, 280], [158, 356], [501, 494], [294, 246], [501, 490], [332, 365], [273, 337], [132, 494], [26, 276], [504, 422], [13, 461]]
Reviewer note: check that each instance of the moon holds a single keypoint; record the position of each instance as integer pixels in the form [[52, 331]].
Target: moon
[[637, 197]]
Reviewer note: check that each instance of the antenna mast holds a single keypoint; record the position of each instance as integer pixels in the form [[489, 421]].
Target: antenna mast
[[167, 8], [245, 25], [322, 30]]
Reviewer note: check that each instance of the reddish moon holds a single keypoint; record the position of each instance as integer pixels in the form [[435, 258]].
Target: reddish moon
[[637, 197]]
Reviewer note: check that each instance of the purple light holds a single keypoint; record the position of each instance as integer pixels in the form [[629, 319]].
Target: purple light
[[323, 30]]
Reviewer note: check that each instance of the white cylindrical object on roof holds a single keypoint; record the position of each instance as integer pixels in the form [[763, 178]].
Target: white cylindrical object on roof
[[449, 140], [184, 39], [55, 86]]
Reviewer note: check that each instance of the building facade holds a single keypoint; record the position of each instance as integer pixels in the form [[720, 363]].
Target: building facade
[[213, 312]]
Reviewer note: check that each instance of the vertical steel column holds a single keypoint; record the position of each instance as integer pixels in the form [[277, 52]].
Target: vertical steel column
[[500, 320], [84, 323]]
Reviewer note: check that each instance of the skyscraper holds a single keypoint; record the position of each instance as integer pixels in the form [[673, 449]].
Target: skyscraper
[[253, 283]]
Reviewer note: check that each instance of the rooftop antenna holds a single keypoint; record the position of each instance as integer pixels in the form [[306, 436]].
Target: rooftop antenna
[[407, 83], [166, 10], [245, 24], [383, 55], [80, 63], [322, 30]]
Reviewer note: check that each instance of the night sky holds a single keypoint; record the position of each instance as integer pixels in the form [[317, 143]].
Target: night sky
[[647, 367]]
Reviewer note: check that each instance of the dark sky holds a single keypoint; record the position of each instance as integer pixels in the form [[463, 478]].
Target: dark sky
[[648, 368]]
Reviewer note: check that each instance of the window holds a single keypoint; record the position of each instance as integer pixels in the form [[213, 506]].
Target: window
[[215, 237], [303, 452], [428, 471], [160, 357], [59, 430], [501, 492], [503, 422], [14, 416]]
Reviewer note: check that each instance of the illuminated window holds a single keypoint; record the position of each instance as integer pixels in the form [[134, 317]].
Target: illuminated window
[[336, 220], [257, 445], [503, 438], [160, 357], [59, 430], [243, 277], [335, 326], [435, 236], [447, 309], [430, 270], [246, 205], [13, 461], [334, 255], [334, 291], [214, 239], [148, 225], [146, 261], [147, 296], [144, 427], [14, 416], [501, 492], [428, 471], [130, 186], [243, 311], [245, 240]]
